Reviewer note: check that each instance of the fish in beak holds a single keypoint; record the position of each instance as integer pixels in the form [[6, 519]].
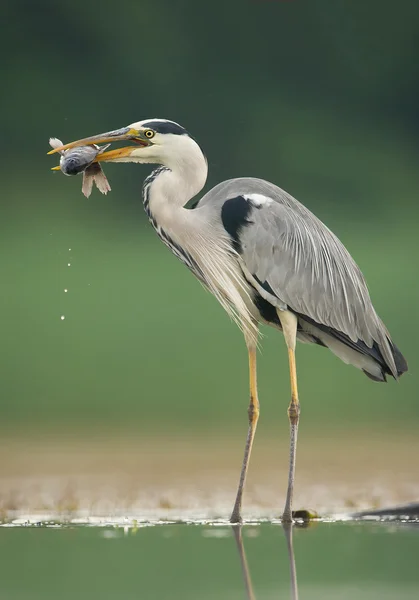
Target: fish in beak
[[118, 135], [83, 156], [81, 160]]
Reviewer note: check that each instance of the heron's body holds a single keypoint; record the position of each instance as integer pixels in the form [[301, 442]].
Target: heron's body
[[253, 245], [264, 256]]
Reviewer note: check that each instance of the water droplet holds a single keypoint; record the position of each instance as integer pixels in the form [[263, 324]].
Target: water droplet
[[62, 317]]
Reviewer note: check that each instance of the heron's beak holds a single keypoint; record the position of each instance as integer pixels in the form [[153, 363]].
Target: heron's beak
[[118, 153], [118, 135]]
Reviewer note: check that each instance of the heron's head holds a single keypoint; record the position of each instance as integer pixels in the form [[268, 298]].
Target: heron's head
[[153, 141]]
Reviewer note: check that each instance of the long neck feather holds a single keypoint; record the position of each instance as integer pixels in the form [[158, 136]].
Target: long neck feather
[[193, 235]]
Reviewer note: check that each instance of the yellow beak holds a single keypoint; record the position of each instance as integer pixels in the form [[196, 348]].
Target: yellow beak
[[118, 135]]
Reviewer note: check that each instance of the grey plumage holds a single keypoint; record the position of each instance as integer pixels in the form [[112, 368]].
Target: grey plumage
[[294, 261], [254, 246]]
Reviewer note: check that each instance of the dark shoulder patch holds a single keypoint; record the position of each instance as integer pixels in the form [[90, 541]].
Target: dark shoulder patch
[[165, 127], [234, 215]]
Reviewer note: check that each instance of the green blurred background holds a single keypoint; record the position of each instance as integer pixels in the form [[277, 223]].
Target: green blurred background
[[318, 97]]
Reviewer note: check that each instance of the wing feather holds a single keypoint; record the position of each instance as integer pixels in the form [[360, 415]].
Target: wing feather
[[292, 253]]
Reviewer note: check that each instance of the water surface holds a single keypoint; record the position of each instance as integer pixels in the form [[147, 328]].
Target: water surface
[[179, 561]]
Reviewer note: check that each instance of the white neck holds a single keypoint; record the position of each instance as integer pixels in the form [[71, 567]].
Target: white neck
[[172, 188]]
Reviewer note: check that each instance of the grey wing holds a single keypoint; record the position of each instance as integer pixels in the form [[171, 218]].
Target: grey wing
[[295, 261]]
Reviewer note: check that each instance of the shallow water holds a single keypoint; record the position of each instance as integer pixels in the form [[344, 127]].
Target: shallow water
[[180, 561]]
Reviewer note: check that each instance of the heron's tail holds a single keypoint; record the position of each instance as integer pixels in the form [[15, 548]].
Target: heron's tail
[[399, 361], [371, 360]]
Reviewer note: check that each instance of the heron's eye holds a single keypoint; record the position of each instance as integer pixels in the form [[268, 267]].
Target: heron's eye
[[149, 133]]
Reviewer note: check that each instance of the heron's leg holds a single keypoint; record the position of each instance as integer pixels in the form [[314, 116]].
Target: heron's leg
[[289, 328], [253, 413]]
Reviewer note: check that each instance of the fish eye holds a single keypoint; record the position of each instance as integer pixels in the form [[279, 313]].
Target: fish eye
[[149, 133]]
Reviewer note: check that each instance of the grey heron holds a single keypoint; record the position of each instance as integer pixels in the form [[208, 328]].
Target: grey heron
[[264, 256]]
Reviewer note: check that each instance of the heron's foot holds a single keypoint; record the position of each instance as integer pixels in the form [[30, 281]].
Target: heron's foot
[[287, 517], [236, 518]]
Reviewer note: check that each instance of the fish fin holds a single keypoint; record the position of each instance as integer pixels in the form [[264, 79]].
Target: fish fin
[[87, 185], [55, 143], [102, 182]]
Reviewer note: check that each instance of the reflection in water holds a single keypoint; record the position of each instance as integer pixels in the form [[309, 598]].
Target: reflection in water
[[237, 529], [288, 530]]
